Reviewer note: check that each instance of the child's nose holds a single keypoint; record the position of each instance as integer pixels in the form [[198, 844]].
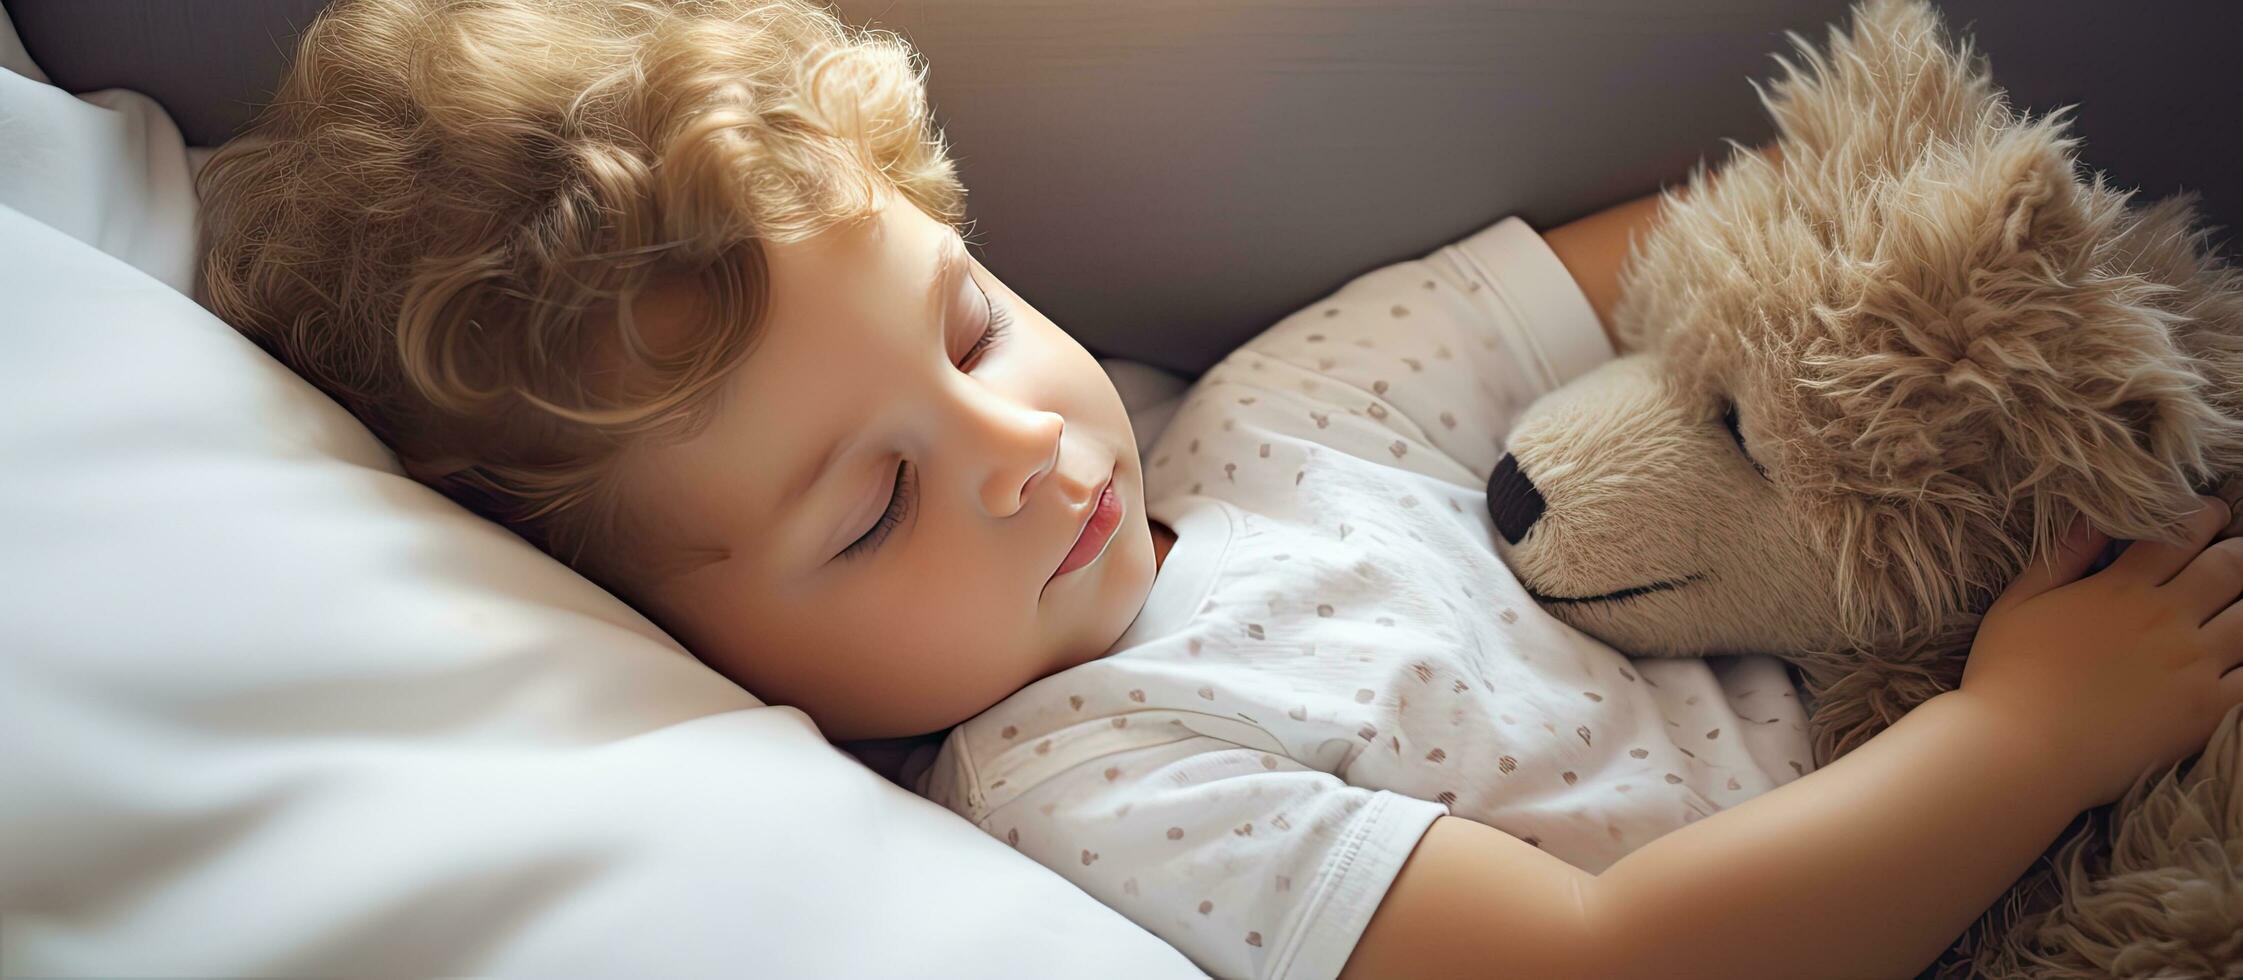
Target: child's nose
[[1512, 499], [1023, 453]]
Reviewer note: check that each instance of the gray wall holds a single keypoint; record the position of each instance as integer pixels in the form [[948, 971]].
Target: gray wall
[[1166, 177]]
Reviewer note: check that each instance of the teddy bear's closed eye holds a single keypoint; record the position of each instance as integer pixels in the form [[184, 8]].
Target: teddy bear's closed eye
[[1729, 418]]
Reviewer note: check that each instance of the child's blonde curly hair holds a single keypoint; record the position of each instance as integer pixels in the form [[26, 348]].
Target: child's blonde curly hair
[[445, 212]]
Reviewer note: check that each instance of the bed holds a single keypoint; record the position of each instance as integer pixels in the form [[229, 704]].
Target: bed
[[270, 707]]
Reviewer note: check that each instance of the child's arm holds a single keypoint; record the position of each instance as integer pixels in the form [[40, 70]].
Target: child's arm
[[1593, 248], [1871, 865], [1867, 867]]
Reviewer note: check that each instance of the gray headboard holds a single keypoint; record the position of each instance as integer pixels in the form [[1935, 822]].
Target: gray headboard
[[1164, 178]]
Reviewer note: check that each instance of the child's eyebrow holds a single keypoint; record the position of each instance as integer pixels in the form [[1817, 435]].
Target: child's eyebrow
[[950, 261]]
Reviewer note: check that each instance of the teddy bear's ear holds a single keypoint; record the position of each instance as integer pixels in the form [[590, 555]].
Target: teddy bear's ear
[[2075, 359], [2017, 351], [1890, 85], [1849, 122], [1960, 462], [2009, 208]]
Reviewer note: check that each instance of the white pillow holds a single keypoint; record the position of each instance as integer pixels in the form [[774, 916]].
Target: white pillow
[[1149, 394], [270, 707]]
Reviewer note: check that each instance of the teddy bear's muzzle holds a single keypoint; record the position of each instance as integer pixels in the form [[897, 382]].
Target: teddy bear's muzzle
[[1512, 499]]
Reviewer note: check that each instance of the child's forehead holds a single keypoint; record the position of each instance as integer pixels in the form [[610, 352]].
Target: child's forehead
[[839, 311]]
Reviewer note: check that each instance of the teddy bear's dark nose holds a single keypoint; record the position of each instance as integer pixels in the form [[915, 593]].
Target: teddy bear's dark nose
[[1512, 499]]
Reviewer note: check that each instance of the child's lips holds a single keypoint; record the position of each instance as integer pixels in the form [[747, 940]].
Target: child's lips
[[1099, 525]]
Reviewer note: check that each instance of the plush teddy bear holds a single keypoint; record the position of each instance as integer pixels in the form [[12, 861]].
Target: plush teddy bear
[[1862, 385]]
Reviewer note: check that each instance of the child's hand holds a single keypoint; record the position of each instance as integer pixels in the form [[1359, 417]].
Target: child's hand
[[2126, 669]]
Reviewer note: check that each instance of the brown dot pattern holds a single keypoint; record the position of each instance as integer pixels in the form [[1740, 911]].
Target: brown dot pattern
[[1361, 635]]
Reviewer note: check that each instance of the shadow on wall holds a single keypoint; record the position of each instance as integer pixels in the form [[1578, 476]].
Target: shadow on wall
[[1165, 178]]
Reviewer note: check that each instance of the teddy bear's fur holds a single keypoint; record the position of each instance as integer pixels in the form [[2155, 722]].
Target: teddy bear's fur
[[1863, 385]]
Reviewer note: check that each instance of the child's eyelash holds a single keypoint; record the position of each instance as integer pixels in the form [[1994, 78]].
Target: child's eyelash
[[899, 499], [999, 319], [899, 507]]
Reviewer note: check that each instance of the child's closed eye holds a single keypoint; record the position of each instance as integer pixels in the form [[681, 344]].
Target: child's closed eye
[[899, 498]]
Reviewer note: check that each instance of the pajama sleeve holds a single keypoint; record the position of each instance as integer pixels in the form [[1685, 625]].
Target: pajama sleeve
[[1246, 861], [1441, 352]]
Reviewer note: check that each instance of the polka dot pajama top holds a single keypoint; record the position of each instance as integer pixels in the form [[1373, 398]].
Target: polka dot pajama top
[[1332, 655]]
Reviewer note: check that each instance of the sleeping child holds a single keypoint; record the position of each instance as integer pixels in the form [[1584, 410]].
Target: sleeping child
[[678, 292]]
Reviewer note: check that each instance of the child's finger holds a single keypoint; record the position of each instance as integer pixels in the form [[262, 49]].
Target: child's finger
[[2077, 549], [2157, 562]]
